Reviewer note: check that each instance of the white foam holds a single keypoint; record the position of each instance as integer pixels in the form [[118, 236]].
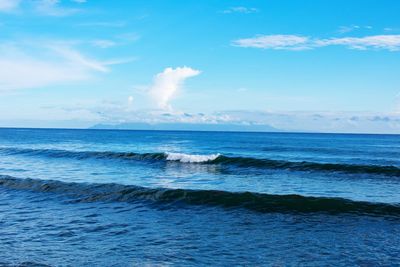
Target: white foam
[[188, 158]]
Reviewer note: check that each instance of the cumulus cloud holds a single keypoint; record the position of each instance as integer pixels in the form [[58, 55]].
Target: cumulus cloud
[[296, 42], [8, 5], [167, 83], [240, 9]]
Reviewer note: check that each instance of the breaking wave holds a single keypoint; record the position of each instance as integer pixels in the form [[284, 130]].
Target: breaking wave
[[188, 158], [243, 162]]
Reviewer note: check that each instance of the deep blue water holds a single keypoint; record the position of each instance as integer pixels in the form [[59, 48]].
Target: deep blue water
[[123, 198]]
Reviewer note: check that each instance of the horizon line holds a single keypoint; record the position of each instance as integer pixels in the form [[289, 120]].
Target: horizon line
[[199, 131]]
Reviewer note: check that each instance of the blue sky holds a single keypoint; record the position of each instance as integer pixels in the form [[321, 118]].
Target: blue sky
[[330, 66]]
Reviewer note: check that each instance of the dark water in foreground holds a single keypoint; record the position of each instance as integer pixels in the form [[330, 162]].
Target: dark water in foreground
[[123, 198]]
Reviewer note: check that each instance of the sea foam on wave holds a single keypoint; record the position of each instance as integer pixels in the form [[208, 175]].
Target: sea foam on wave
[[188, 158]]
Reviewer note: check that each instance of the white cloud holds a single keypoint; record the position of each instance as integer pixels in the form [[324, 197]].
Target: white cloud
[[346, 29], [53, 8], [130, 99], [288, 42], [129, 37], [37, 65], [41, 7], [103, 43], [397, 103], [386, 42], [345, 122], [116, 24], [119, 40], [296, 42], [167, 83], [73, 56], [240, 9], [8, 5], [30, 72]]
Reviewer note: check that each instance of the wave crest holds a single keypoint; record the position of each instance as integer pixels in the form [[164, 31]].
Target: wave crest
[[241, 162], [189, 158]]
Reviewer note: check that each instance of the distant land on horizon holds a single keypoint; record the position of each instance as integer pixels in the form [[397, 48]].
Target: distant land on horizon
[[187, 127], [191, 127]]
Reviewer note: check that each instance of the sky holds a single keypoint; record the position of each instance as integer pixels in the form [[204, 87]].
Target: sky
[[309, 65]]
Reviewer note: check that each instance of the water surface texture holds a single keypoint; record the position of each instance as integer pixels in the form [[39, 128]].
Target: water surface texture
[[123, 198]]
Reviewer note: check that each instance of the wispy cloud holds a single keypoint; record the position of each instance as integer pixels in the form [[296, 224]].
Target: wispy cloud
[[8, 5], [167, 83], [21, 70], [129, 37], [241, 9], [112, 24], [296, 42], [130, 100], [53, 8], [119, 40], [34, 65], [77, 58], [278, 42], [102, 43], [41, 7], [347, 29], [386, 42]]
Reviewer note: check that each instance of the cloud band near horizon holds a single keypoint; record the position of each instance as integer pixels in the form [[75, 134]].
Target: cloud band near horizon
[[299, 42]]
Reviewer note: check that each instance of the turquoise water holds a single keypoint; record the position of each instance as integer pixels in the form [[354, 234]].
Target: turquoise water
[[123, 198]]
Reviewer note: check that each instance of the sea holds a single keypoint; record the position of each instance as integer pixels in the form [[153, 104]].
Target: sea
[[181, 198]]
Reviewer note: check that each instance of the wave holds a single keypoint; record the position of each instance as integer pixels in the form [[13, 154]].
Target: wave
[[188, 158], [391, 151], [86, 192], [308, 166], [243, 162], [58, 153]]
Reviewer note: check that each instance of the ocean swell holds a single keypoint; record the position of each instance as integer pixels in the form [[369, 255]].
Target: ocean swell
[[307, 166], [242, 162], [87, 192]]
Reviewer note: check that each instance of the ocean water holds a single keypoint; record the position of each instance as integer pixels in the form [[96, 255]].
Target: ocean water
[[134, 198]]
